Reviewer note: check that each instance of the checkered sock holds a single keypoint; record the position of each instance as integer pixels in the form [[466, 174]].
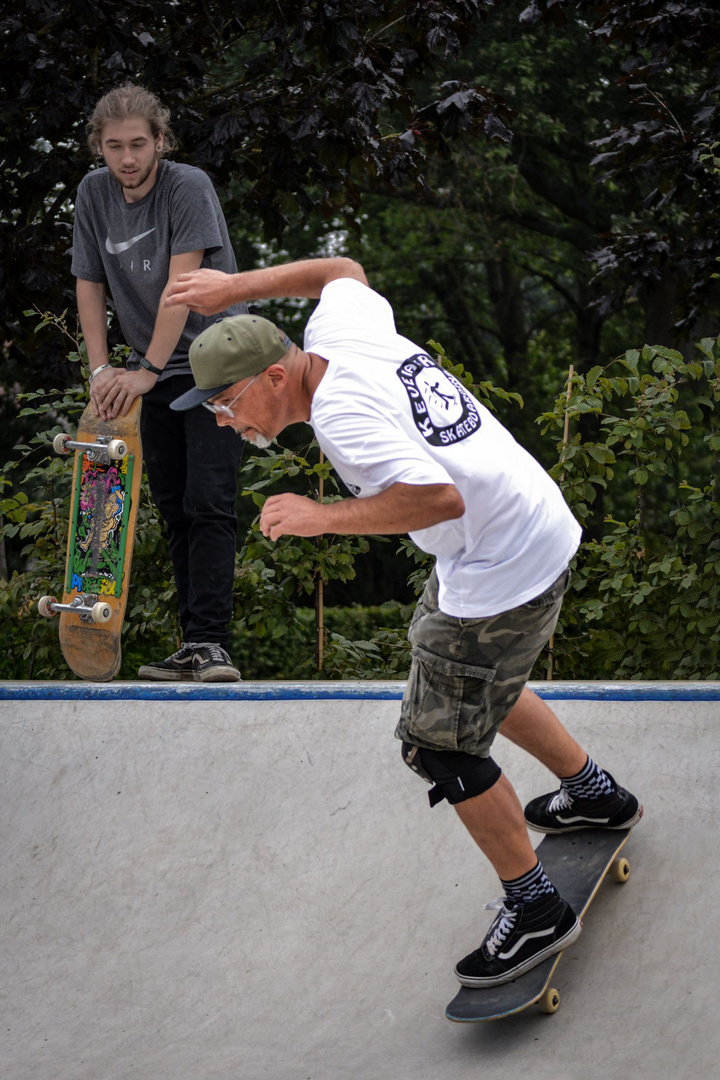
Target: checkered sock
[[529, 887], [590, 783]]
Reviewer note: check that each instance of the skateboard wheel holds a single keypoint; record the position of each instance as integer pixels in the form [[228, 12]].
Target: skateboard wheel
[[116, 449], [549, 1002], [101, 612], [44, 606], [59, 443], [620, 870]]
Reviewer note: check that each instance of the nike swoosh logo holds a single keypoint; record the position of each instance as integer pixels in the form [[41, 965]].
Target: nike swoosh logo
[[115, 249]]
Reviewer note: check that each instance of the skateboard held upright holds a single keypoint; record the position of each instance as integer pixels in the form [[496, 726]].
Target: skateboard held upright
[[103, 511]]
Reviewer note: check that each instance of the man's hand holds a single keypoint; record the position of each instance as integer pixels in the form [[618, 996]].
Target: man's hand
[[291, 515], [206, 291], [113, 391]]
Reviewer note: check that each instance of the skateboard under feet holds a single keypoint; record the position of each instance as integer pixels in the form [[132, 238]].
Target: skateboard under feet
[[576, 863]]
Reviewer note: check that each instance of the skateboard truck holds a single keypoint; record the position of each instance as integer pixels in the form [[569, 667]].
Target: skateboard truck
[[86, 605], [104, 450]]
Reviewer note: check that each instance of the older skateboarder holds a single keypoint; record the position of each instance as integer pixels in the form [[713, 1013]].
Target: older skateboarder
[[420, 455]]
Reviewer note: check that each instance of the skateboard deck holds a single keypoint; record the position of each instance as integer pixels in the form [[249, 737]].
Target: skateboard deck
[[103, 511], [576, 863]]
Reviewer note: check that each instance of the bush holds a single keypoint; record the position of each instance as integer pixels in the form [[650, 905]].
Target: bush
[[359, 643], [645, 596]]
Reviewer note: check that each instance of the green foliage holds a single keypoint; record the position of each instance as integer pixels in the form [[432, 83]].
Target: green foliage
[[485, 391], [34, 512], [306, 561], [645, 597], [37, 513], [273, 574], [302, 106], [359, 643]]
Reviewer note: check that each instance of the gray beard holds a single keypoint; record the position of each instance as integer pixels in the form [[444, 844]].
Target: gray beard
[[260, 441]]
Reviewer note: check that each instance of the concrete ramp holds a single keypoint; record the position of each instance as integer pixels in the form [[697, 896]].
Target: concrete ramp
[[245, 883]]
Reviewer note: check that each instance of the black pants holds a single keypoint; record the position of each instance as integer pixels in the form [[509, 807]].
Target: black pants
[[192, 466]]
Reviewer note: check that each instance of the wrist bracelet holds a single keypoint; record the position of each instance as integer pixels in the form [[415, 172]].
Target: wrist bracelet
[[144, 362], [92, 374]]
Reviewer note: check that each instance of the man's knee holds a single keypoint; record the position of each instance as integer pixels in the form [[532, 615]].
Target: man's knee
[[456, 776]]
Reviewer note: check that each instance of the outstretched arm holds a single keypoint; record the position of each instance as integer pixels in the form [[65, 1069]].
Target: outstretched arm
[[400, 508], [211, 291]]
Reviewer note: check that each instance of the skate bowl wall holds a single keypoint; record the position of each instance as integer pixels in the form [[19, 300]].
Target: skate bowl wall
[[244, 882]]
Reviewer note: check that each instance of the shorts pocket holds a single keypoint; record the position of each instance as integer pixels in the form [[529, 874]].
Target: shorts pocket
[[445, 705]]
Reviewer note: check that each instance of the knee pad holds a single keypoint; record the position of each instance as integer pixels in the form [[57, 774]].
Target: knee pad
[[456, 776]]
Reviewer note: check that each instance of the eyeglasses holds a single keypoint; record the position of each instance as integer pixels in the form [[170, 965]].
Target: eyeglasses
[[225, 410]]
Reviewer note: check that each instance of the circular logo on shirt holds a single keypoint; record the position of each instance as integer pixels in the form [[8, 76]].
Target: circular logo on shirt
[[443, 410]]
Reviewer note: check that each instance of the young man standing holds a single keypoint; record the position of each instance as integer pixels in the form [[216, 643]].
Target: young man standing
[[424, 457], [139, 223]]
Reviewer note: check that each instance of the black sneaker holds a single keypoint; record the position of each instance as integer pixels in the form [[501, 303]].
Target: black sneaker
[[211, 663], [521, 936], [177, 668], [560, 812]]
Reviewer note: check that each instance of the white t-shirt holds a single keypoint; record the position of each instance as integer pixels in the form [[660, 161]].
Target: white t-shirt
[[386, 413]]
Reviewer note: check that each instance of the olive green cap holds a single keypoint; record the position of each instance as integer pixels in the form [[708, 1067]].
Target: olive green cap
[[232, 349]]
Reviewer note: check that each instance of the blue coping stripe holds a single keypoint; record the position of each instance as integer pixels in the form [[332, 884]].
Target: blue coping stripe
[[335, 691]]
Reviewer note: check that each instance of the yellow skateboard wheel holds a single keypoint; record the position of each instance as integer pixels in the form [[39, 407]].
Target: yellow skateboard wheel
[[549, 1002], [620, 870]]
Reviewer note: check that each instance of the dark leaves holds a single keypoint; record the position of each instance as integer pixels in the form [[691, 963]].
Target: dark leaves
[[669, 69], [299, 102]]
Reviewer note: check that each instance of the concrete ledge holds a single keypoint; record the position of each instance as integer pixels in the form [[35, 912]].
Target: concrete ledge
[[336, 691]]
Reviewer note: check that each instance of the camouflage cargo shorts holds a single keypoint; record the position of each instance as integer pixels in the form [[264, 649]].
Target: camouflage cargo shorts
[[466, 674]]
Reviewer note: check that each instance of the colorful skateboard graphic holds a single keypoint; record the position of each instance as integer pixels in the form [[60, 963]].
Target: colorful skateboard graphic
[[103, 511]]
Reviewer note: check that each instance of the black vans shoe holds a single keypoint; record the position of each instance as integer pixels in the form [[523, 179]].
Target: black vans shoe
[[212, 664], [177, 668], [193, 662], [521, 936], [559, 812]]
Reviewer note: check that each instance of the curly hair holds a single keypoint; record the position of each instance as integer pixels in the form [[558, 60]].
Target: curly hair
[[128, 101]]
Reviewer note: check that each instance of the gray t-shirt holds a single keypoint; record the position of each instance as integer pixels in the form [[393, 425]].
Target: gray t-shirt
[[129, 245]]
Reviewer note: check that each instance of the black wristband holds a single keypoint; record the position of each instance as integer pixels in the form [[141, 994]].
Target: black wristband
[[144, 362]]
